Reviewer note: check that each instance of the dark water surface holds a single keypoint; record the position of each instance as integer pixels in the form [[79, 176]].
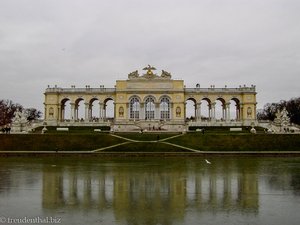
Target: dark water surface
[[74, 190]]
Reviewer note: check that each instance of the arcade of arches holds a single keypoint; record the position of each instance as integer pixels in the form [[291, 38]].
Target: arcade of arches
[[150, 101]]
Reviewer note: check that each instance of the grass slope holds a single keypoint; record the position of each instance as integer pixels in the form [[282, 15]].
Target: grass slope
[[146, 136], [146, 147], [239, 142], [65, 142], [206, 142]]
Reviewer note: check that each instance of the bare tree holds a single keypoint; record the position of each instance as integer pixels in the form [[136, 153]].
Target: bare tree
[[33, 114], [7, 110]]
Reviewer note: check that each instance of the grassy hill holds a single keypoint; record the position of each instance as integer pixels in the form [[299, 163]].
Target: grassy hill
[[147, 142], [53, 142]]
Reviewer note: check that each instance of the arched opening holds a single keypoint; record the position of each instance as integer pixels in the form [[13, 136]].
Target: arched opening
[[79, 114], [205, 109], [235, 109], [149, 108], [164, 108], [109, 109], [65, 110], [134, 108], [190, 109], [94, 110], [220, 109]]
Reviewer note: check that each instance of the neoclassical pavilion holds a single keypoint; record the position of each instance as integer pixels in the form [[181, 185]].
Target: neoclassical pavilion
[[150, 101]]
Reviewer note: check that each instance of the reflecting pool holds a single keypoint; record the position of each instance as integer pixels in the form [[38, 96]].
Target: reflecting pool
[[74, 190]]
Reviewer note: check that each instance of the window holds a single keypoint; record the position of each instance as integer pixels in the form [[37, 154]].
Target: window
[[165, 108], [149, 108], [134, 108]]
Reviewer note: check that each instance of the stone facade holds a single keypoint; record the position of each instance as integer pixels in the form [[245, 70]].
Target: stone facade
[[149, 101]]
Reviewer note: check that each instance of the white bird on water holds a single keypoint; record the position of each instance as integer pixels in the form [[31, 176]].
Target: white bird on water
[[208, 162]]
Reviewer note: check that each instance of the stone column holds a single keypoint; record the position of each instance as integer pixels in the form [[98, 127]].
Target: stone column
[[46, 113], [59, 113], [241, 117], [171, 110], [62, 112], [195, 111], [157, 111], [73, 112], [86, 115], [184, 112], [228, 111], [213, 111], [101, 111], [142, 111], [104, 111], [76, 113], [128, 111], [238, 113], [198, 111], [115, 111], [255, 112], [90, 112]]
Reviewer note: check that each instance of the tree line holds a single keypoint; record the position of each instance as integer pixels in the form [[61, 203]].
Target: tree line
[[8, 108], [292, 106]]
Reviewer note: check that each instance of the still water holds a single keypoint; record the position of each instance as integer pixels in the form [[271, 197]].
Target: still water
[[230, 190]]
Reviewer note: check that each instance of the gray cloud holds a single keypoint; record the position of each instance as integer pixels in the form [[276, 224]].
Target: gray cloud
[[95, 42]]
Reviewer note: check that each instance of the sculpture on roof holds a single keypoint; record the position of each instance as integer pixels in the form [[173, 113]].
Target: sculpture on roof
[[149, 74], [149, 69], [165, 74], [134, 74]]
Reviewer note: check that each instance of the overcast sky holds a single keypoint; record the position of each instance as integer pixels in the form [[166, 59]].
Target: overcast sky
[[94, 42]]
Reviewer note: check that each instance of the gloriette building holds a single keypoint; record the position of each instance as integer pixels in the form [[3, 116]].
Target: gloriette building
[[151, 102]]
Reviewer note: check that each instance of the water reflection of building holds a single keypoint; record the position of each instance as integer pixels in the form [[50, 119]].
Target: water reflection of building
[[151, 195], [145, 196], [229, 192]]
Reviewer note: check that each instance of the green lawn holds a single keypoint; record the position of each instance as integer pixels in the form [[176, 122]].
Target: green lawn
[[239, 142], [204, 142], [146, 147], [51, 142], [146, 136]]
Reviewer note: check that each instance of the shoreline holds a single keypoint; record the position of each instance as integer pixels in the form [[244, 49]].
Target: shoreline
[[147, 154]]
